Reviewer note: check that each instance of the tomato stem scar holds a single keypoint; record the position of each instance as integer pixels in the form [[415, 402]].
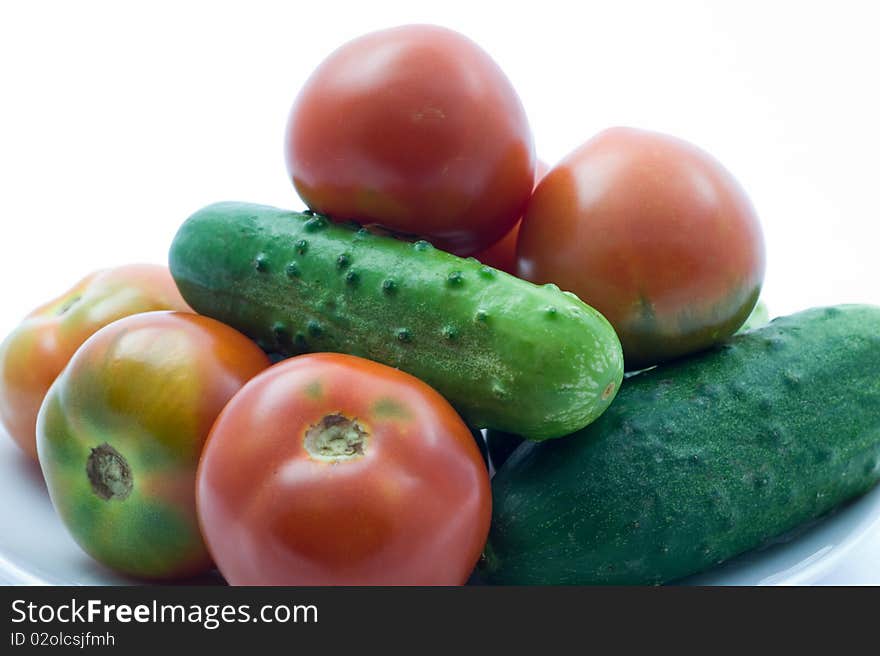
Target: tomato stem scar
[[109, 473], [69, 303], [336, 437]]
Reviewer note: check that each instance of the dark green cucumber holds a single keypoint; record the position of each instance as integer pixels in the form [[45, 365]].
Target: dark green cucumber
[[506, 353], [699, 460]]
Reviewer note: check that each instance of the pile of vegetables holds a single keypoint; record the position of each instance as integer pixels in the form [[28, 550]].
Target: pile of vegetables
[[321, 397]]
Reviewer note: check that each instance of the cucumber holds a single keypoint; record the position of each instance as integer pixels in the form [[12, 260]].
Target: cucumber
[[699, 460], [506, 353]]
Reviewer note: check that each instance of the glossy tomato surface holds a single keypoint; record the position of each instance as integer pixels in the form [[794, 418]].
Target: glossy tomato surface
[[121, 430], [417, 129], [502, 254], [33, 355], [329, 469], [652, 232]]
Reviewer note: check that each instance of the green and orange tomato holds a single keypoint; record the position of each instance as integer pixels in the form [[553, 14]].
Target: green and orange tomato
[[33, 355], [330, 469], [121, 430], [655, 234]]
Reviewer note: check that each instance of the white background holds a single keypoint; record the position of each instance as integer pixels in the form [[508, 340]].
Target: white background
[[119, 119]]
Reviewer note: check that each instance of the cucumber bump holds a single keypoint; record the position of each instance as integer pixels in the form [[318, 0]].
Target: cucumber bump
[[506, 353]]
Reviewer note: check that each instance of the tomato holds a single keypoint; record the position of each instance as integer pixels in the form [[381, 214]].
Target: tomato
[[416, 129], [33, 355], [121, 431], [329, 469], [652, 232], [502, 254]]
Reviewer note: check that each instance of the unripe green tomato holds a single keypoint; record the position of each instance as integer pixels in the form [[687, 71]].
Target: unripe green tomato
[[32, 355], [120, 434]]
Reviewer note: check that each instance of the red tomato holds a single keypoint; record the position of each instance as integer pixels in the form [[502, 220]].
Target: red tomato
[[33, 355], [417, 129], [652, 232], [329, 469], [502, 254]]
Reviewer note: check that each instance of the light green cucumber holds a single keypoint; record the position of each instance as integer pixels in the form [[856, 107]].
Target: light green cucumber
[[507, 354]]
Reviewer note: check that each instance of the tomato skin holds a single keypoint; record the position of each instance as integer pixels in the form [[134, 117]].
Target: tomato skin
[[33, 355], [502, 254], [652, 232], [413, 508], [140, 396], [417, 129]]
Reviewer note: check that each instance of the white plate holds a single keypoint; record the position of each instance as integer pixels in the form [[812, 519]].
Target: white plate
[[35, 549]]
